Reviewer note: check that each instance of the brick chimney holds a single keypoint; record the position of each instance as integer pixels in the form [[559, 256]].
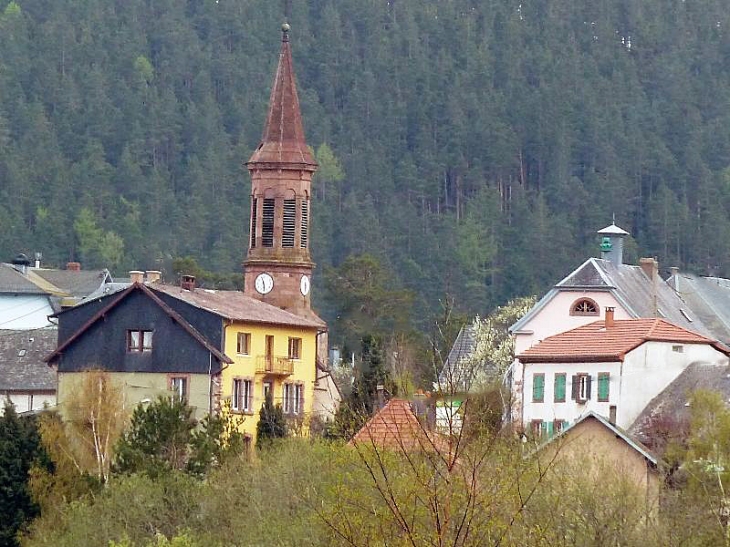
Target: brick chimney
[[73, 266], [609, 317], [650, 267], [136, 276], [187, 282], [153, 276]]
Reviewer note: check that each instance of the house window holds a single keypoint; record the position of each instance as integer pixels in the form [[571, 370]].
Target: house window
[[243, 343], [604, 383], [538, 388], [242, 395], [581, 387], [560, 387], [559, 426], [584, 306], [267, 223], [536, 428], [678, 349], [139, 340], [179, 387], [293, 398], [295, 348]]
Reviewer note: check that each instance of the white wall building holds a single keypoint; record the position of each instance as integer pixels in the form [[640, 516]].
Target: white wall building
[[613, 368]]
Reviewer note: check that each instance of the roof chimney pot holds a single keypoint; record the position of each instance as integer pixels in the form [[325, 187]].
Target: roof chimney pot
[[187, 282], [136, 276], [153, 276], [609, 317], [73, 266], [650, 267]]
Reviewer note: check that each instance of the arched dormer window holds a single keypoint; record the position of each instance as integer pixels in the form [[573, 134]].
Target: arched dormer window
[[584, 306]]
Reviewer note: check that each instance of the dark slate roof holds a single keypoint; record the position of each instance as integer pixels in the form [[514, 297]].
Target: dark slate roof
[[459, 371], [237, 306], [708, 298], [76, 283], [632, 288], [587, 275], [22, 367], [674, 400], [14, 282]]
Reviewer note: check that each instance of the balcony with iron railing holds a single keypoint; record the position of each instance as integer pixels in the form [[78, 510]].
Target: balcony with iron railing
[[274, 366]]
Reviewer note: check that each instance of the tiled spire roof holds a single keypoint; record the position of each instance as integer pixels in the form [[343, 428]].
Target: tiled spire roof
[[283, 140]]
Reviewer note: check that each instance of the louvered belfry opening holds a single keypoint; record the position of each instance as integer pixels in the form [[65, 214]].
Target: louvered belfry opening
[[254, 217], [289, 223], [267, 222], [304, 237]]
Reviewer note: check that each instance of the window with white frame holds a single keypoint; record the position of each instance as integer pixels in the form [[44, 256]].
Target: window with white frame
[[295, 348], [293, 398], [242, 399], [179, 387], [581, 387], [139, 340], [243, 343]]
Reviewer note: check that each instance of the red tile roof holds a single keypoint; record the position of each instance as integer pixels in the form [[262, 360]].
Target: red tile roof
[[395, 426], [594, 342]]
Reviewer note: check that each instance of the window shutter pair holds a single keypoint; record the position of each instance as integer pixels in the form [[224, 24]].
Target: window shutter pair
[[577, 382]]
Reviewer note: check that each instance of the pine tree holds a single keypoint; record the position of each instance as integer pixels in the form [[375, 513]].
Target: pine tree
[[19, 449], [271, 424]]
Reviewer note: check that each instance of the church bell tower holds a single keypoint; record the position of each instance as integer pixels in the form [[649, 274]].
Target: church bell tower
[[278, 267]]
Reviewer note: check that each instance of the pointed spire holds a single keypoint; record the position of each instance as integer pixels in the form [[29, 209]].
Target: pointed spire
[[283, 141]]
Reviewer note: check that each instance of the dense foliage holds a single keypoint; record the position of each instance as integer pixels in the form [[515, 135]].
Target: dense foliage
[[20, 447], [472, 147]]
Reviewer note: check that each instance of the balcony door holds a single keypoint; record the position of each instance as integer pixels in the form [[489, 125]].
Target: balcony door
[[269, 353]]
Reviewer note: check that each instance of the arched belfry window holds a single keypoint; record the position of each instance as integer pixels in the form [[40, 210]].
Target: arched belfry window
[[584, 306]]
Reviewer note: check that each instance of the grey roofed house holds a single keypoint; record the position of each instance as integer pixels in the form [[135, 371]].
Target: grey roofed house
[[708, 298], [673, 402], [632, 287], [457, 373], [12, 281], [23, 372], [77, 283]]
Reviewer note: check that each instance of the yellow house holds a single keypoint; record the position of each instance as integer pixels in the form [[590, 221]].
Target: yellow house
[[279, 360]]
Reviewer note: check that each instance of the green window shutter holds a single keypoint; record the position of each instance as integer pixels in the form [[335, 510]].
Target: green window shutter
[[549, 429], [538, 388], [603, 386], [560, 388]]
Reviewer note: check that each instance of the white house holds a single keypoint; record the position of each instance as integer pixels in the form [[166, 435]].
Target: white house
[[584, 294], [613, 367], [29, 294]]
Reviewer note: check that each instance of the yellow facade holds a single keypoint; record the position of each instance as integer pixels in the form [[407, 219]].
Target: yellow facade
[[270, 361]]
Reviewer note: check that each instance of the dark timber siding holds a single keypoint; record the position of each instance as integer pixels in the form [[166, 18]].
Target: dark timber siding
[[104, 345], [206, 323]]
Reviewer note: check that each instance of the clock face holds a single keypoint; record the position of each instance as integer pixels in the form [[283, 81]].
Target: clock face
[[304, 285], [264, 283]]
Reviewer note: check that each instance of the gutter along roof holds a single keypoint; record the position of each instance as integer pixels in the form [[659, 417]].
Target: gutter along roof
[[597, 343]]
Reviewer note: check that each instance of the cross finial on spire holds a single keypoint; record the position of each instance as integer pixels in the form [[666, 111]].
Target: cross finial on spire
[[614, 218]]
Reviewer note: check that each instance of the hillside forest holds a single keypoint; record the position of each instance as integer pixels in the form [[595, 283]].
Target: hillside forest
[[468, 149]]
